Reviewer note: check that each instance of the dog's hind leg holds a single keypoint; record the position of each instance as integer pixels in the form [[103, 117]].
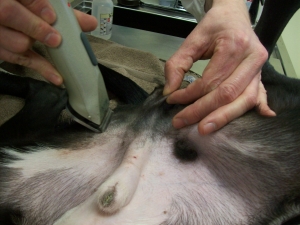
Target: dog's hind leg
[[43, 105], [275, 16]]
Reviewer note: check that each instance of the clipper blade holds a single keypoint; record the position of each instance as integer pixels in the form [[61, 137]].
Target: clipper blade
[[87, 123]]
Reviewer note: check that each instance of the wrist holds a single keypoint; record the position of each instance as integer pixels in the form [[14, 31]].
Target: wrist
[[235, 7], [211, 3]]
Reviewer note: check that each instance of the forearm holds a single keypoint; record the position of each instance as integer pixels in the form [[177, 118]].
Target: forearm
[[198, 8], [226, 3]]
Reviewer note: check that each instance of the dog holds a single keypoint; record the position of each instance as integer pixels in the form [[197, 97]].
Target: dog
[[142, 170]]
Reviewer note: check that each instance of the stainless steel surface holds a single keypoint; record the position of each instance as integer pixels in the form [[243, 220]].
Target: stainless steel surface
[[161, 10], [82, 5], [174, 4], [161, 45], [177, 8], [178, 12], [148, 16]]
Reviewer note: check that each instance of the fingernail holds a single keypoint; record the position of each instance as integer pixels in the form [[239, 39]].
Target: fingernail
[[48, 15], [166, 90], [179, 123], [168, 100], [209, 128], [266, 111], [270, 113], [52, 39], [56, 79]]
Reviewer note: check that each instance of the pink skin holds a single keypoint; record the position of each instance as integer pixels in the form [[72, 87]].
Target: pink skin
[[230, 84], [144, 179], [24, 22], [118, 190]]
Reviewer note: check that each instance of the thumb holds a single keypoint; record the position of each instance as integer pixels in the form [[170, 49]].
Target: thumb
[[175, 69]]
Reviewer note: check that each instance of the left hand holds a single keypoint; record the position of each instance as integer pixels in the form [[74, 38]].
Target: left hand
[[24, 22], [230, 83]]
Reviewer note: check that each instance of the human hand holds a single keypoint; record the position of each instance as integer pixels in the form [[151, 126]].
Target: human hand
[[22, 22], [230, 84]]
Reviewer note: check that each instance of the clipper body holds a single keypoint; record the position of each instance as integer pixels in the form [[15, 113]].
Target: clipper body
[[75, 61]]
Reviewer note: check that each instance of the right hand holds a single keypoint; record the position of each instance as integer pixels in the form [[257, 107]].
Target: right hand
[[231, 82], [22, 22]]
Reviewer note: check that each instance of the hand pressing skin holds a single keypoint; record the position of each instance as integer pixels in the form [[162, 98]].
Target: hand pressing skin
[[230, 84], [22, 23]]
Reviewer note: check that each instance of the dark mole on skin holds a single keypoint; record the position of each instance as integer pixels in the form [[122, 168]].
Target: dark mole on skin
[[184, 151]]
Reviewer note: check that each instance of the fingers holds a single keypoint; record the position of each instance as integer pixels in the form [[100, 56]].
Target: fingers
[[35, 18], [223, 115], [175, 68], [227, 83], [42, 9], [187, 95], [231, 81], [27, 23], [230, 59], [20, 25], [230, 86], [214, 103], [217, 117], [24, 21], [34, 61], [191, 50], [262, 103], [14, 41], [86, 22], [220, 67]]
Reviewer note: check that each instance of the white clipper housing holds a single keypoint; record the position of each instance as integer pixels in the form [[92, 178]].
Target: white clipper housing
[[75, 61]]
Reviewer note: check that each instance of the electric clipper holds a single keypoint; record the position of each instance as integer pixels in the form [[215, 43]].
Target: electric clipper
[[75, 61]]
